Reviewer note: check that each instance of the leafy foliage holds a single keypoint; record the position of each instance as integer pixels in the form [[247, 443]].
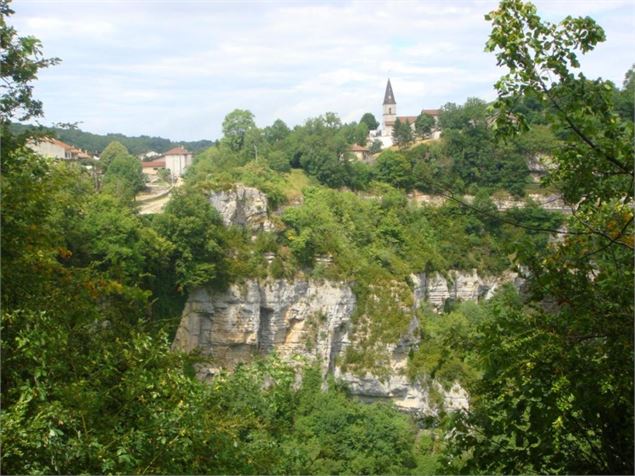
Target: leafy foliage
[[370, 121], [21, 58], [556, 393], [424, 124]]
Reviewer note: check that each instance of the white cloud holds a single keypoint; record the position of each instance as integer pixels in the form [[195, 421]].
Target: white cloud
[[50, 27], [175, 69]]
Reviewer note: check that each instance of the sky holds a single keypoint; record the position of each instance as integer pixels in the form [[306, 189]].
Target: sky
[[175, 68]]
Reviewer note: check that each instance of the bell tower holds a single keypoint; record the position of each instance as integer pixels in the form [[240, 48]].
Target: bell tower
[[390, 110]]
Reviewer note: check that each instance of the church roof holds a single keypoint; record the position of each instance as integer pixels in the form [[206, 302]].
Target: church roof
[[389, 97]]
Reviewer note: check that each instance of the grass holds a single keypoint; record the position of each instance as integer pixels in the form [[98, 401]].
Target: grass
[[295, 182]]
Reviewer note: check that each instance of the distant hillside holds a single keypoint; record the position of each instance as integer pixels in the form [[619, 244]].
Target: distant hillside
[[96, 143]]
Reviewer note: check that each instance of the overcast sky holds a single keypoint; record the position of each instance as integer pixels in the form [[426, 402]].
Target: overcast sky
[[176, 68]]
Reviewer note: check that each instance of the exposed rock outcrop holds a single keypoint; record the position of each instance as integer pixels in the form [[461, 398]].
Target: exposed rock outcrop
[[310, 321], [305, 319], [551, 202], [437, 290], [242, 206]]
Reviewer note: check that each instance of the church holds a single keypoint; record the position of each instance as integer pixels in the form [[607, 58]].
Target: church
[[384, 135]]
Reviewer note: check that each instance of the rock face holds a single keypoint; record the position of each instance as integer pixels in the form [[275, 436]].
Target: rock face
[[305, 319], [242, 206], [552, 202], [438, 290], [310, 321]]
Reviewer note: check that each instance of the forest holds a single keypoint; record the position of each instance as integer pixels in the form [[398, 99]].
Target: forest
[[92, 290]]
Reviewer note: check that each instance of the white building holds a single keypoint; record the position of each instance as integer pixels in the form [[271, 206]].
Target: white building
[[177, 161], [56, 149], [150, 155]]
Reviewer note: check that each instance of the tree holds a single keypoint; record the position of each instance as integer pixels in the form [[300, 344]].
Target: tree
[[478, 158], [112, 150], [395, 169], [124, 176], [424, 124], [624, 100], [370, 121], [195, 228], [557, 386], [375, 147], [276, 132], [361, 134], [402, 133], [21, 58], [236, 126]]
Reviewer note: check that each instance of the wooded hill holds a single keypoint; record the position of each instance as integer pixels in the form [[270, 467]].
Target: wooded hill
[[96, 143]]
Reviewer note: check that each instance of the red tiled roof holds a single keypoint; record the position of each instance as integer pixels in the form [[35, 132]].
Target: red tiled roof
[[431, 112], [177, 151], [154, 164], [357, 148], [56, 142], [407, 119]]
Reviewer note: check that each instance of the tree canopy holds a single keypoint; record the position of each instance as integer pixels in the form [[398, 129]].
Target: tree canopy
[[236, 127], [370, 121], [557, 385]]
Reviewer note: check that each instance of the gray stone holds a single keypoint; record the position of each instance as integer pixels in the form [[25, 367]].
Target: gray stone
[[310, 322], [242, 206]]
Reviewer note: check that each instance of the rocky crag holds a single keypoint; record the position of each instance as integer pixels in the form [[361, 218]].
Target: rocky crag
[[310, 321], [552, 202], [243, 206]]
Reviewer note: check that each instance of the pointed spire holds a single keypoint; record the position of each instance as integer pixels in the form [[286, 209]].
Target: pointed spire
[[389, 97]]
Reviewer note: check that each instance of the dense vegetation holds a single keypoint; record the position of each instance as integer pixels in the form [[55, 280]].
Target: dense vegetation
[[92, 291], [468, 159]]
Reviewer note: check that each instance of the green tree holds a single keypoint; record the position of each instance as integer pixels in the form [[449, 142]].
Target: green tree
[[276, 132], [375, 147], [236, 126], [424, 124], [402, 133], [557, 386], [625, 102], [477, 158], [124, 176], [370, 121], [361, 134], [196, 230], [112, 150], [394, 168], [21, 58]]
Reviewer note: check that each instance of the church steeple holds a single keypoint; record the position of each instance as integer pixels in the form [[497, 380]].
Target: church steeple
[[390, 110], [389, 97]]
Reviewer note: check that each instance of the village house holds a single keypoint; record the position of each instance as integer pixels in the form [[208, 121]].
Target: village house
[[177, 161], [361, 153], [151, 168], [150, 155], [56, 149]]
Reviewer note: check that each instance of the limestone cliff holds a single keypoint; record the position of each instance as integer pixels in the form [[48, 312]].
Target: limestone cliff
[[305, 319], [310, 321], [242, 206], [438, 290]]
